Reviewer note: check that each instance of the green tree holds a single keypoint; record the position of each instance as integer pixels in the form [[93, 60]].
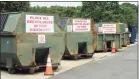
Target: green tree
[[39, 9], [128, 11], [12, 6], [100, 11], [59, 10], [78, 11], [133, 6]]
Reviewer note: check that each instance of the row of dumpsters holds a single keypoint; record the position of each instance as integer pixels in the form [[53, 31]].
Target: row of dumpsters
[[27, 38]]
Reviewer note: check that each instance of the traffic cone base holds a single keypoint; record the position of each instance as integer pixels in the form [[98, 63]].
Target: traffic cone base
[[113, 50], [49, 70]]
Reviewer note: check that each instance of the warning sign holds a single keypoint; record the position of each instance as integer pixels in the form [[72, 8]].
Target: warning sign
[[69, 28], [81, 25], [100, 29], [109, 28], [39, 23], [41, 39], [126, 29]]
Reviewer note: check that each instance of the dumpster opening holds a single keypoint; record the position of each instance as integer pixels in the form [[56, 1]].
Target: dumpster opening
[[108, 44], [82, 48], [41, 56]]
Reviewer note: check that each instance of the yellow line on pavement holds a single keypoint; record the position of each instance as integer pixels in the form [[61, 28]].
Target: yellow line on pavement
[[77, 68], [93, 61]]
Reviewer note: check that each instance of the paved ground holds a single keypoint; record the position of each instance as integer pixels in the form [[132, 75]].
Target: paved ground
[[121, 66], [65, 65], [95, 68]]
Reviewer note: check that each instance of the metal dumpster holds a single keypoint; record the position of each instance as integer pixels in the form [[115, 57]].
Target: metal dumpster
[[26, 39], [106, 36], [125, 34], [80, 37], [133, 31]]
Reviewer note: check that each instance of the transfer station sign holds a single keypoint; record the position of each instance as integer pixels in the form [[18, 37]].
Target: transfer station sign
[[109, 28], [81, 25], [39, 23]]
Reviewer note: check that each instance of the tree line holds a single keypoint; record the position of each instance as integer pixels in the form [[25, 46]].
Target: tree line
[[100, 11]]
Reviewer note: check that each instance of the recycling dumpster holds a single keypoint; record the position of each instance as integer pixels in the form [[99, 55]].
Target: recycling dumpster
[[26, 39], [125, 34], [80, 37], [133, 31], [107, 33]]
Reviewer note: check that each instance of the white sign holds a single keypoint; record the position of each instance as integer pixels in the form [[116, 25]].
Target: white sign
[[100, 29], [41, 39], [109, 28], [81, 25], [126, 29], [39, 23], [69, 28], [130, 35]]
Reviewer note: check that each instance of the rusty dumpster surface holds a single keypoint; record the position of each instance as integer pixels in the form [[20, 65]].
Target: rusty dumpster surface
[[105, 40], [27, 39], [125, 34], [80, 37]]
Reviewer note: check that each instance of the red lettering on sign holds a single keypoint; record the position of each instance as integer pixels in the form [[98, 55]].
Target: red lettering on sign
[[45, 18], [41, 39], [35, 25]]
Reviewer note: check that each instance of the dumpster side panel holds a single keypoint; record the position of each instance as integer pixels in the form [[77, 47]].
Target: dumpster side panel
[[118, 28], [74, 38], [27, 50], [133, 34], [118, 41], [100, 43], [26, 45], [125, 39], [125, 34], [108, 37], [128, 38], [8, 51]]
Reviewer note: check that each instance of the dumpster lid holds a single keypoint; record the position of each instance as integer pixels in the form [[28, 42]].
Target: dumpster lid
[[63, 22], [3, 19], [11, 22]]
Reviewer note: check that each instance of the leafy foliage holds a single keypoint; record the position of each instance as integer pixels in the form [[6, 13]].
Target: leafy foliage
[[100, 11], [129, 13], [61, 11], [12, 6], [110, 11], [107, 11]]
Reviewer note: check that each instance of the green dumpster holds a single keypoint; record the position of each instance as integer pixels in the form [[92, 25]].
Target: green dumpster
[[26, 39], [107, 33], [80, 37], [125, 34]]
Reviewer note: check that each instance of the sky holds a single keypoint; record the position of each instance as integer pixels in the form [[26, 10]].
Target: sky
[[48, 4]]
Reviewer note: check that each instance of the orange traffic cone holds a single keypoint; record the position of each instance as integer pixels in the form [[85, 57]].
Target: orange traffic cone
[[49, 70], [113, 50]]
